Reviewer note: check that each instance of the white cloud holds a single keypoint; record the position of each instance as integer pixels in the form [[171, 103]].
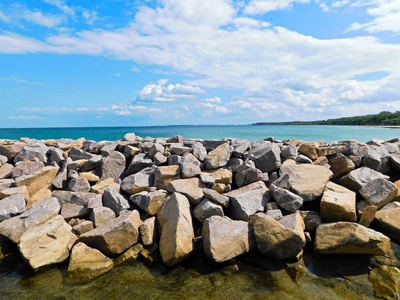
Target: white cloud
[[40, 19], [3, 17], [127, 110], [61, 5], [260, 7], [34, 117], [161, 93], [13, 43], [209, 109], [63, 109], [17, 79], [117, 74], [340, 3], [213, 100], [90, 16]]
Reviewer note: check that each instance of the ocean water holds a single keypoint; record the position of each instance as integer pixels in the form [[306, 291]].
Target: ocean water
[[307, 133]]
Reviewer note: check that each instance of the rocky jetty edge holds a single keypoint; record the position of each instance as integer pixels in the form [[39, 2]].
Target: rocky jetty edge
[[99, 204]]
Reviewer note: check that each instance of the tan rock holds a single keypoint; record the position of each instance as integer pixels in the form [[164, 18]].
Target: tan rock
[[386, 281], [350, 238], [48, 243], [147, 231], [87, 263], [22, 190], [219, 156], [10, 149], [77, 144], [309, 149], [221, 175], [129, 255], [130, 150], [39, 195], [40, 179], [89, 176], [379, 192], [218, 187], [192, 188], [368, 215], [338, 203], [177, 234], [102, 185], [76, 165], [6, 170], [165, 174], [341, 165], [150, 202], [387, 221]]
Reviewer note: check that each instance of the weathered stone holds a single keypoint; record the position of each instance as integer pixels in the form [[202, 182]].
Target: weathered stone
[[177, 235], [130, 137], [150, 202], [221, 175], [101, 215], [11, 206], [156, 148], [244, 205], [199, 151], [147, 231], [244, 189], [138, 182], [377, 158], [240, 146], [87, 263], [219, 156], [387, 221], [102, 185], [114, 200], [321, 161], [11, 149], [91, 164], [130, 150], [206, 209], [309, 149], [392, 258], [80, 198], [368, 215], [71, 210], [112, 166], [340, 165], [302, 159], [22, 190], [189, 170], [29, 153], [56, 155], [379, 192], [275, 214], [306, 180], [48, 243], [266, 157], [350, 238], [40, 179], [176, 139], [61, 179], [356, 149], [108, 148], [82, 227], [164, 175], [224, 239], [280, 239], [246, 174], [115, 236], [78, 154], [386, 281], [78, 185], [95, 201], [216, 197], [338, 203], [282, 182], [209, 180], [6, 183], [289, 151], [192, 188], [89, 176], [6, 170], [311, 219], [357, 178], [39, 195], [179, 149], [159, 159], [286, 199], [218, 187], [76, 165], [174, 160], [27, 167]]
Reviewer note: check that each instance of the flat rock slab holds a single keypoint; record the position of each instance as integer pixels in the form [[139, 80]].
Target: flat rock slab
[[37, 214], [48, 243], [115, 236], [358, 178], [338, 203], [87, 263], [224, 239], [177, 234], [112, 166], [192, 188], [81, 198], [40, 179], [165, 174], [350, 238]]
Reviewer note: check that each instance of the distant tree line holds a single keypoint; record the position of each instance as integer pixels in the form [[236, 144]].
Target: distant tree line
[[384, 118]]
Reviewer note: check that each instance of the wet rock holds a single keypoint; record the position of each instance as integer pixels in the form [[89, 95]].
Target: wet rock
[[38, 180], [216, 197], [219, 156], [192, 188], [138, 182], [338, 203], [341, 165], [224, 239], [357, 178], [48, 243], [244, 205], [286, 199], [87, 263], [11, 206], [266, 157], [101, 215], [280, 239], [115, 236], [147, 231], [114, 200], [102, 185], [150, 202], [112, 166], [164, 175], [177, 235], [206, 209], [37, 214], [392, 258], [386, 281], [379, 192], [349, 238]]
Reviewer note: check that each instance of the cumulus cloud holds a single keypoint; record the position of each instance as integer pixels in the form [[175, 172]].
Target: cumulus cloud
[[213, 100], [161, 93], [260, 7]]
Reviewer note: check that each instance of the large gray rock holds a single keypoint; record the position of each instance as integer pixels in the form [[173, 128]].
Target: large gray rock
[[219, 156], [379, 192], [350, 238], [286, 199], [240, 146], [266, 157], [114, 200], [179, 149], [81, 198], [199, 151], [189, 170], [156, 148], [192, 188], [246, 174], [37, 214], [48, 243], [357, 178], [29, 153], [112, 166], [101, 215], [280, 239], [177, 235], [138, 182], [340, 165], [289, 151], [224, 239], [150, 202], [138, 163], [61, 179], [216, 197], [11, 206], [377, 158], [115, 236], [356, 149], [91, 164], [27, 167], [70, 211], [55, 155], [206, 209], [79, 185], [244, 205], [78, 154]]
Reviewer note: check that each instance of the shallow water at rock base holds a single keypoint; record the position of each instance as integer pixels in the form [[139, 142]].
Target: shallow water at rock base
[[250, 276]]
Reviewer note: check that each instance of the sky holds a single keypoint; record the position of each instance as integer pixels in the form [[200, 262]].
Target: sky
[[70, 63]]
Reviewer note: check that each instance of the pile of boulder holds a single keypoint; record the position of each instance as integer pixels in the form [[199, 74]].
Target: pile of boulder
[[102, 203]]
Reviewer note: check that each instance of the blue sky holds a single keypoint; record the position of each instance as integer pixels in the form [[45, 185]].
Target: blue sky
[[166, 62]]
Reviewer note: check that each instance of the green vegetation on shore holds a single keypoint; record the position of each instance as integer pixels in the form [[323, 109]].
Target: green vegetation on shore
[[384, 118]]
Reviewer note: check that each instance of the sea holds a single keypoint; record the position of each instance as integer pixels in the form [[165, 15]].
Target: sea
[[328, 134]]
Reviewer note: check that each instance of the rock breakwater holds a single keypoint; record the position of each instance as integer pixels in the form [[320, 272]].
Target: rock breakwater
[[102, 203]]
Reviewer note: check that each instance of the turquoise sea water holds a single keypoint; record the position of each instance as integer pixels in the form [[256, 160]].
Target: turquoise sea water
[[308, 133]]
